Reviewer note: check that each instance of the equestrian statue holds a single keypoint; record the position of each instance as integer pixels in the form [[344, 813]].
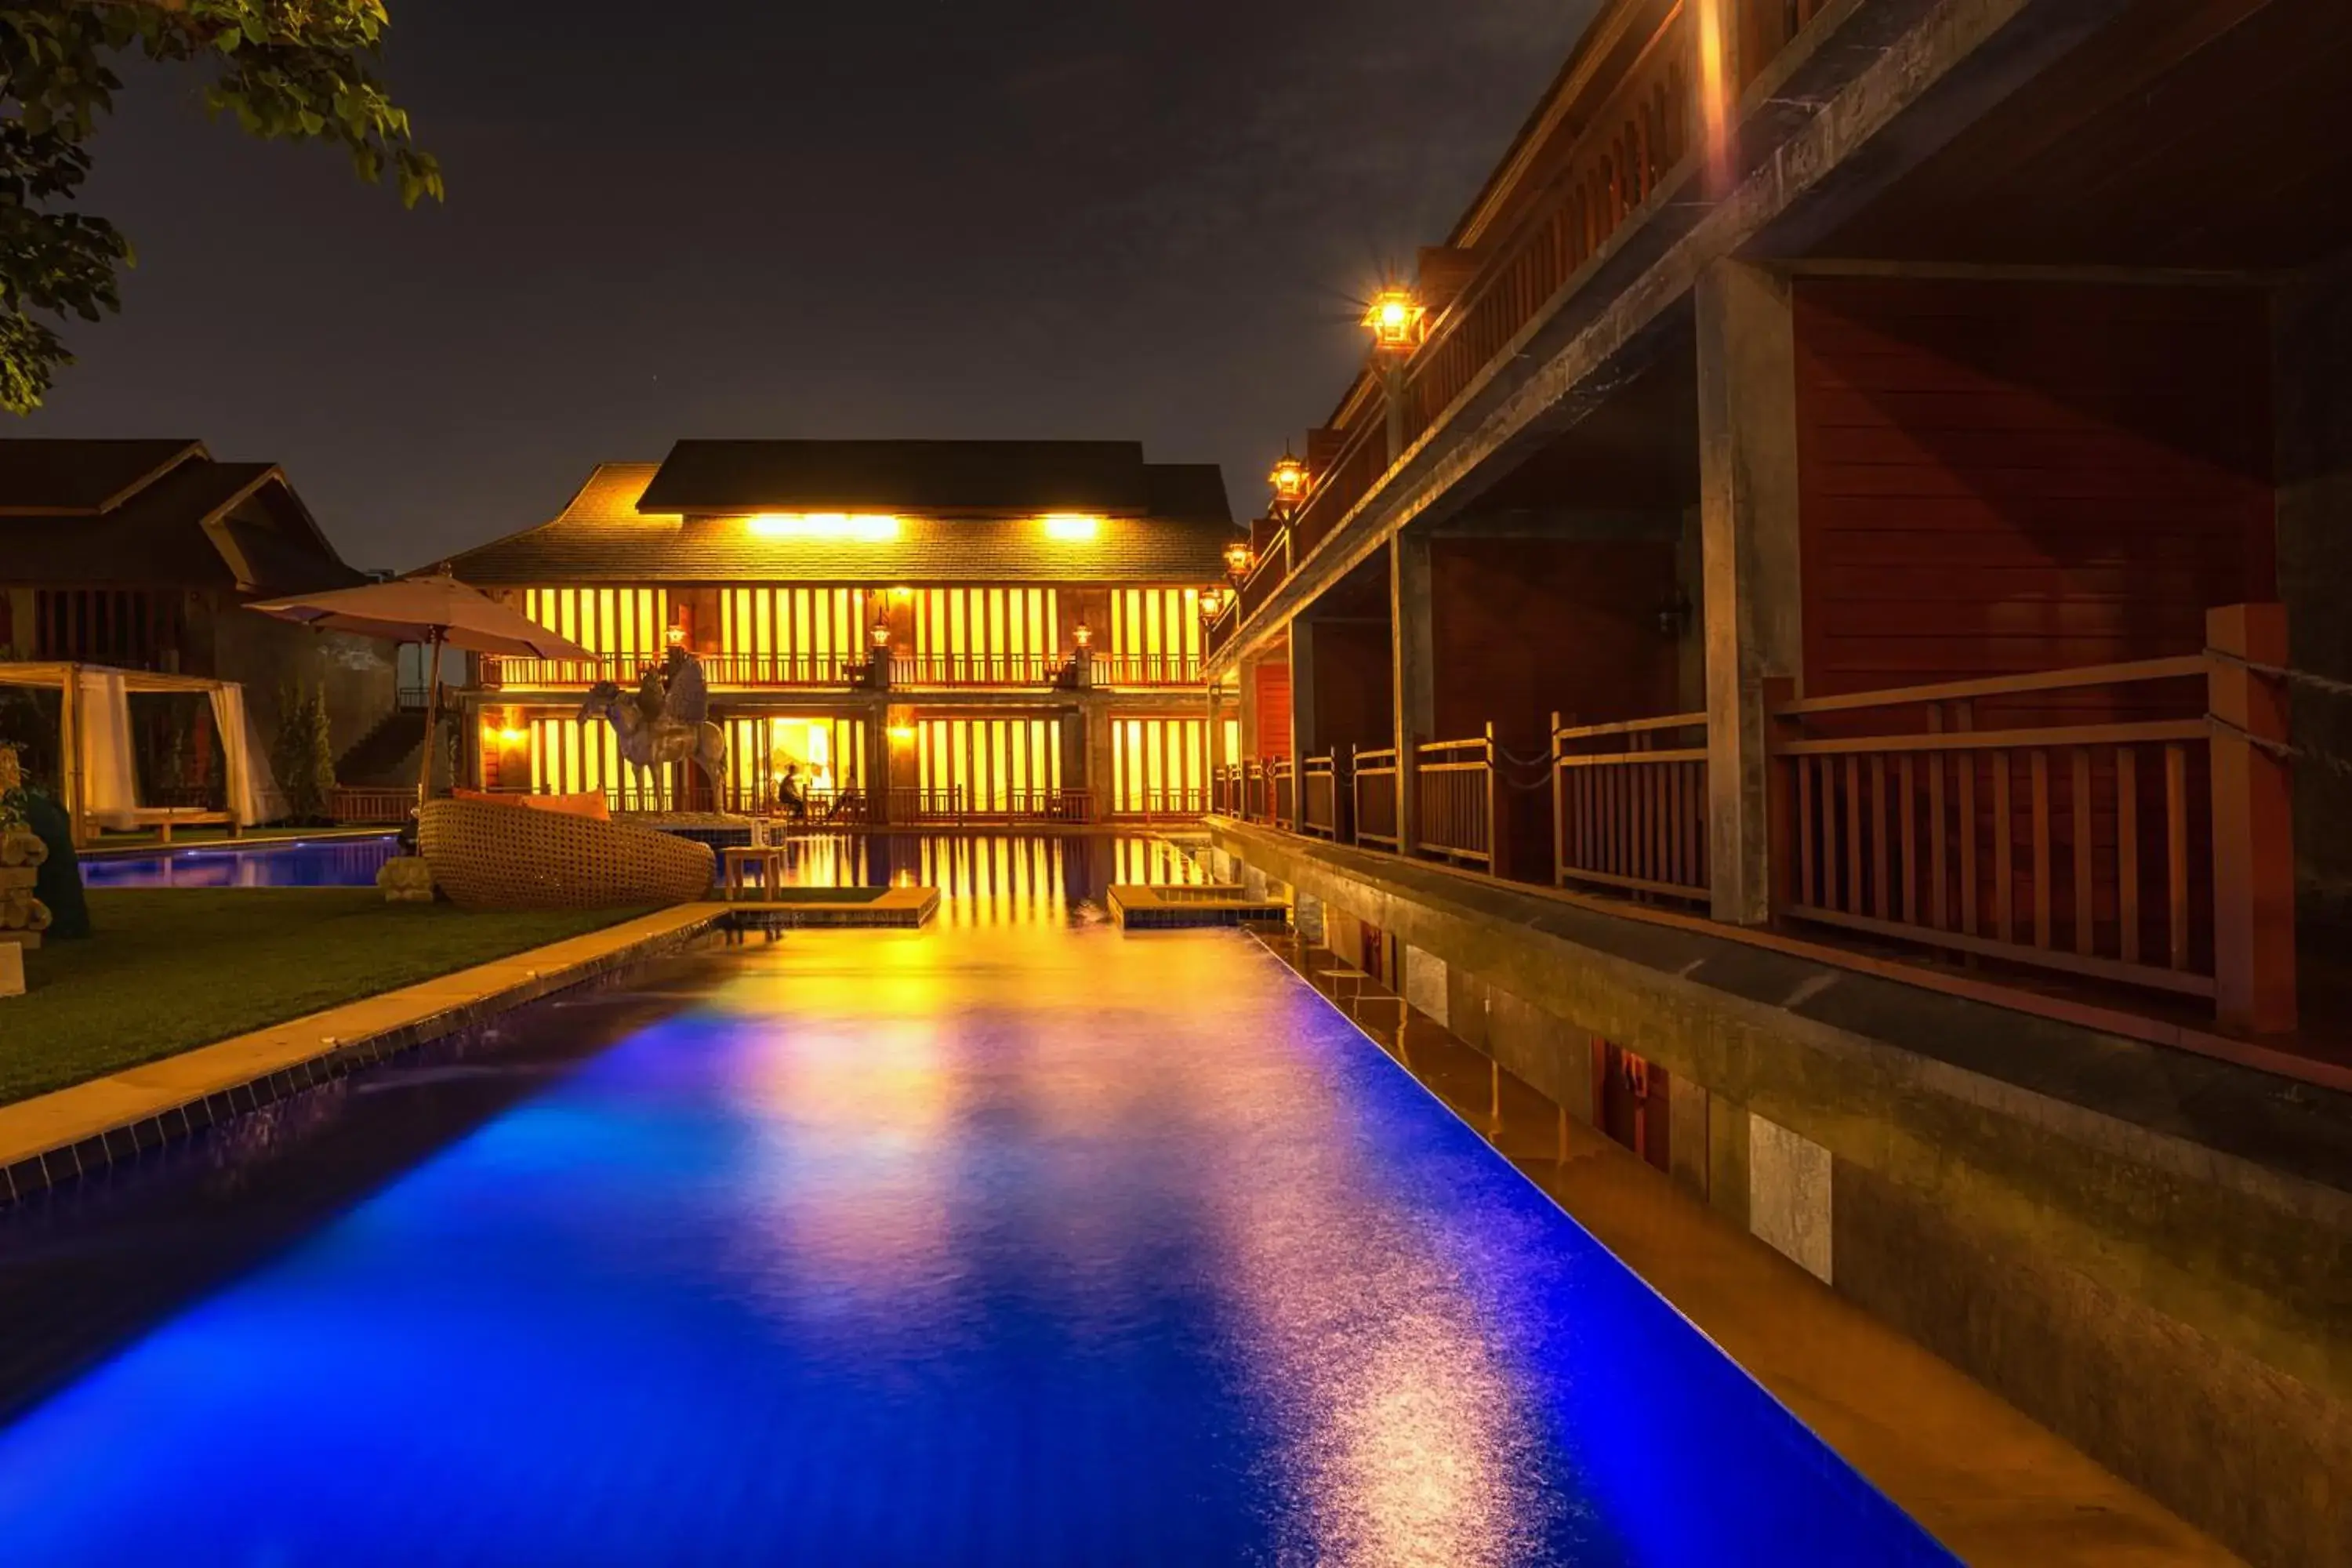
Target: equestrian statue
[[667, 721]]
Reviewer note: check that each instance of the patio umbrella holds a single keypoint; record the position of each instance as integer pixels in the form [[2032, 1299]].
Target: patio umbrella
[[436, 610]]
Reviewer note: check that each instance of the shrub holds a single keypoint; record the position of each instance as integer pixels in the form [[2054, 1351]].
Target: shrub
[[303, 753]]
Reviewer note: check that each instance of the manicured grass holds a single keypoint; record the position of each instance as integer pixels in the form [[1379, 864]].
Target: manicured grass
[[169, 968]]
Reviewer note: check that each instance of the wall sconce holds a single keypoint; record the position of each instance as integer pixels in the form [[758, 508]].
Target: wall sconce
[[1395, 318], [902, 596], [1239, 559], [1675, 615], [902, 733]]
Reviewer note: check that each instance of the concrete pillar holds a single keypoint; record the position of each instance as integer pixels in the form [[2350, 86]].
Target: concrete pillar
[[1092, 720], [1424, 982], [1413, 683], [1747, 525], [1303, 736], [1245, 671], [2311, 343]]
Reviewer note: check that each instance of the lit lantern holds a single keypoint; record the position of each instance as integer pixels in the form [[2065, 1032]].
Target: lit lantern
[[1212, 602], [1289, 481], [881, 634], [1083, 635], [1239, 559], [675, 637], [1395, 320]]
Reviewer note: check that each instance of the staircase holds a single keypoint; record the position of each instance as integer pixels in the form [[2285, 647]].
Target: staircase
[[386, 757]]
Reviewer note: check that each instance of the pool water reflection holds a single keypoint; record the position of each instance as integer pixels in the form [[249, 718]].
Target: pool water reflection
[[1013, 1241], [303, 863]]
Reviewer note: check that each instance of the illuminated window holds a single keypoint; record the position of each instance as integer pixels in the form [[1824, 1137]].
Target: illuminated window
[[819, 632], [1160, 766], [958, 630], [603, 620], [1155, 633], [993, 764]]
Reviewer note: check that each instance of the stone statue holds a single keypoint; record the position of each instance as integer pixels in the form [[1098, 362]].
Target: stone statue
[[666, 720]]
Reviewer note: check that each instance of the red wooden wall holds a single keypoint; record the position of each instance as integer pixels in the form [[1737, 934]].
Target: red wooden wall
[[1997, 477], [1524, 627], [1353, 678], [1272, 709]]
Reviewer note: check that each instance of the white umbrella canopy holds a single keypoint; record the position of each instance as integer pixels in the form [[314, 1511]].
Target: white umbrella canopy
[[436, 610]]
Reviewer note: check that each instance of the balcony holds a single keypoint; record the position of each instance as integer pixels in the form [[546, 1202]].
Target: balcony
[[2103, 838], [915, 671]]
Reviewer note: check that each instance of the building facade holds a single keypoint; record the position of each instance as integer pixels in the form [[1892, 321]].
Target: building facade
[[142, 554], [921, 630], [1816, 639]]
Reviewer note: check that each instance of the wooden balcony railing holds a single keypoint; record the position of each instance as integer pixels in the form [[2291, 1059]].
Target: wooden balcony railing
[[1455, 809], [1257, 796], [1629, 812], [1145, 669], [1283, 785], [1164, 803], [1319, 797], [1373, 789], [1225, 790], [2113, 849], [721, 669], [971, 670]]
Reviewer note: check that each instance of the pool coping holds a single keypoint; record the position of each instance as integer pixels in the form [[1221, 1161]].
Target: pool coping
[[156, 848], [70, 1132]]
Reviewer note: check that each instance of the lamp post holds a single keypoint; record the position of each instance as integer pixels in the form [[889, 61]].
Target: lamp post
[[1396, 321]]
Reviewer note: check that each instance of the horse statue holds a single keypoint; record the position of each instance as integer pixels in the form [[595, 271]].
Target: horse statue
[[666, 720]]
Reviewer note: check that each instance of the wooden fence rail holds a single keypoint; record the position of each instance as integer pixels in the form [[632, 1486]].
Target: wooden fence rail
[[1373, 789], [1454, 807], [2127, 846], [1629, 812], [1319, 797]]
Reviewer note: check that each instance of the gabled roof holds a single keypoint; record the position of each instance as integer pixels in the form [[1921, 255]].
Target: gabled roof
[[608, 535], [48, 478], [967, 479], [186, 522]]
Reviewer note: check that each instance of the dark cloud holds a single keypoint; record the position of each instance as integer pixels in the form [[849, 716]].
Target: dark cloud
[[1063, 217]]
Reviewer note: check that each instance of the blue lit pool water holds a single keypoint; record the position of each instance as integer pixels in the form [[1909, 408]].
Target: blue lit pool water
[[305, 863], [1016, 1241]]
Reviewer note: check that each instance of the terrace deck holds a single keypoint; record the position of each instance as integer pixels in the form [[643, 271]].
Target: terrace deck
[[1137, 906]]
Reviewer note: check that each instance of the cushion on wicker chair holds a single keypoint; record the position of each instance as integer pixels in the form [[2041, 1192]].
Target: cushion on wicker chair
[[486, 856]]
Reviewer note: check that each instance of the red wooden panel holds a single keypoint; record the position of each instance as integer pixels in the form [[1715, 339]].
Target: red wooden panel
[[1997, 478], [1273, 710]]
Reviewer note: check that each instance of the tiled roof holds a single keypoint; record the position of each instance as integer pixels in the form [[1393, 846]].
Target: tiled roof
[[200, 524], [930, 478], [43, 477], [602, 537]]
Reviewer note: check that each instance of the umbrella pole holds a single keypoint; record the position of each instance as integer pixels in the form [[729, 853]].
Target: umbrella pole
[[432, 714]]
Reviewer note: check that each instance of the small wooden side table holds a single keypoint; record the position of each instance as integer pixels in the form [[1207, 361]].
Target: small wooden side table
[[736, 862]]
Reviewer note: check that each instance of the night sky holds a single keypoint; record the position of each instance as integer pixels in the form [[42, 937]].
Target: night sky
[[739, 219]]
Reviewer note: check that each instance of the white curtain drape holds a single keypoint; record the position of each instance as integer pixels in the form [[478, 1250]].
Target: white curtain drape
[[109, 789], [240, 758]]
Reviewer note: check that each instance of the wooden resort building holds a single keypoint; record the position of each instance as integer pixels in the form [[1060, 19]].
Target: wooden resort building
[[140, 555], [1818, 637], [928, 631]]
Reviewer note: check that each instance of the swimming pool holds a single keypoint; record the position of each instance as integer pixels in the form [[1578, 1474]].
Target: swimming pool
[[1015, 1241], [302, 863]]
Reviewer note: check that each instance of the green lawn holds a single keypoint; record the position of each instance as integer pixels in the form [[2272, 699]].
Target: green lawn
[[172, 968]]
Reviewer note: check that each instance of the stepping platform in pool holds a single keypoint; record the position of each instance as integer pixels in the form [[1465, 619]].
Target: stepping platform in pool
[[792, 909], [1137, 906]]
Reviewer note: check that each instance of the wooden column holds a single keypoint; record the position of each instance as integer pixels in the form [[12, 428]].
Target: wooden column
[[2253, 820], [1413, 684], [1302, 716], [1748, 526]]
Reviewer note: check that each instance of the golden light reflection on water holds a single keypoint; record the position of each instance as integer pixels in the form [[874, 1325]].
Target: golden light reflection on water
[[1404, 1441]]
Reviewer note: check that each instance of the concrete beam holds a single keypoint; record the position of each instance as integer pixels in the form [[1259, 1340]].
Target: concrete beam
[[1561, 522]]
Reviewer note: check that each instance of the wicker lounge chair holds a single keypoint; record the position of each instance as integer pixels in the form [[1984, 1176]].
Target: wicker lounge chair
[[488, 855]]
